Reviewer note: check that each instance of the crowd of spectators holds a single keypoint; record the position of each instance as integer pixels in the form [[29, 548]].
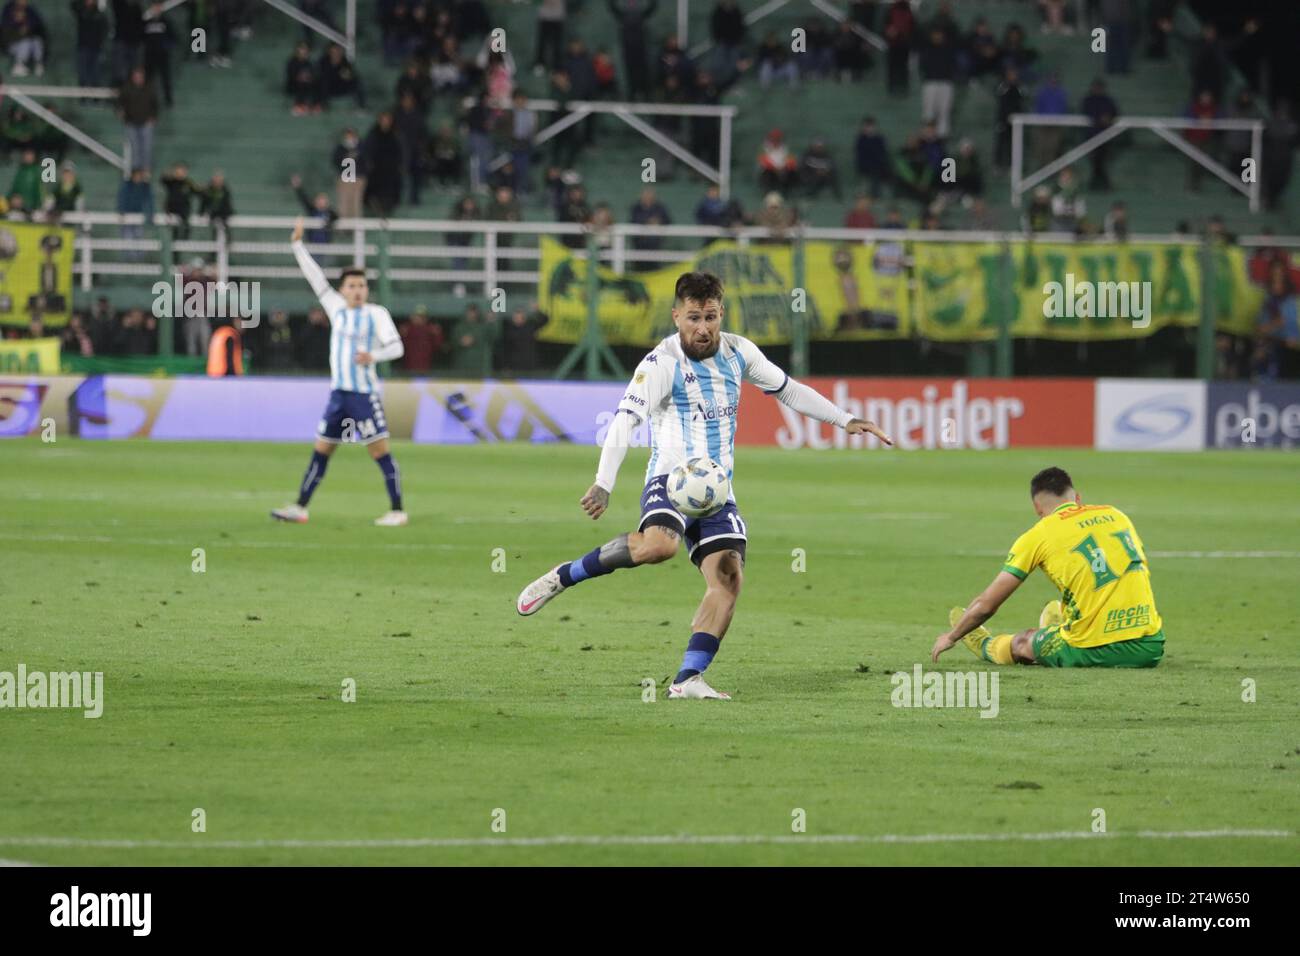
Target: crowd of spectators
[[930, 176]]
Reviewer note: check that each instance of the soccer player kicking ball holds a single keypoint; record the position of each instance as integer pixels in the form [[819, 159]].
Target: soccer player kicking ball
[[361, 334], [689, 386], [1106, 616]]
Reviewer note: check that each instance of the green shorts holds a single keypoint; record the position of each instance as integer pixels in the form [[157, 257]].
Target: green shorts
[[1052, 650]]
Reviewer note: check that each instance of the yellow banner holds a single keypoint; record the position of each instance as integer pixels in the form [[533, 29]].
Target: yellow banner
[[953, 292], [35, 273], [29, 356], [1088, 291], [851, 291]]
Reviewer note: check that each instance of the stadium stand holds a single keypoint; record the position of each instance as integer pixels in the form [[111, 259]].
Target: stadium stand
[[235, 116]]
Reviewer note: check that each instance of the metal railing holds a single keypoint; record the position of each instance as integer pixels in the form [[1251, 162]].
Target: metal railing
[[1160, 125], [403, 250], [630, 113]]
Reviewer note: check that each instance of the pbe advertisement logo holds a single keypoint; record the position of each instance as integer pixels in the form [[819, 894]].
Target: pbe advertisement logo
[[1245, 417]]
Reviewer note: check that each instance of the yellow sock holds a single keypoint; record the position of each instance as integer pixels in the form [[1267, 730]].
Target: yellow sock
[[998, 649]]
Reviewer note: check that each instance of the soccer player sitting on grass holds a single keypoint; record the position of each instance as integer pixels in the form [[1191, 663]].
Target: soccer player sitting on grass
[[1106, 616]]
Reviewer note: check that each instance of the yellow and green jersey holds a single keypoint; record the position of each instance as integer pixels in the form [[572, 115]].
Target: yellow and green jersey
[[1093, 554]]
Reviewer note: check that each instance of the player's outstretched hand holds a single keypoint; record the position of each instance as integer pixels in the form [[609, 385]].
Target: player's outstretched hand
[[941, 644], [595, 501], [297, 230], [858, 426]]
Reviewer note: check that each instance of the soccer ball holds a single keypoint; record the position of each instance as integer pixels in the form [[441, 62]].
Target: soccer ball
[[699, 487]]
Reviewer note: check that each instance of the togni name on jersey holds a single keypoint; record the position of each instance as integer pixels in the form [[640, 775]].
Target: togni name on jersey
[[133, 910]]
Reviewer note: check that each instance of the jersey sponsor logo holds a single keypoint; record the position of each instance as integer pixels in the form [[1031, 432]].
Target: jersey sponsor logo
[[652, 359], [1121, 619], [635, 399], [708, 411], [689, 378]]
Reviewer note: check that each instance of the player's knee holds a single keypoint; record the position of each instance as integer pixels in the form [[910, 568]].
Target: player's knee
[[651, 548], [1022, 647], [731, 573]]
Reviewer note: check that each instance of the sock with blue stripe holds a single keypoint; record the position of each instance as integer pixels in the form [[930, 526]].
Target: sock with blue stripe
[[312, 477], [699, 655], [607, 558], [392, 480]]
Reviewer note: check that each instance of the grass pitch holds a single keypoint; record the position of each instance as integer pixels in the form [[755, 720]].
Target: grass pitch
[[223, 688]]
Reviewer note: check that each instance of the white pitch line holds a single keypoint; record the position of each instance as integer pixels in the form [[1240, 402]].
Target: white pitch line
[[1225, 554], [390, 545], [1167, 554], [634, 840], [4, 863]]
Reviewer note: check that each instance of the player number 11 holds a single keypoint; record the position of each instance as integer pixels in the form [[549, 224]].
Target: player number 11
[[1091, 552]]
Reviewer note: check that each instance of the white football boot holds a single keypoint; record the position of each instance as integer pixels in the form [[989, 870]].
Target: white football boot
[[295, 513], [694, 688], [391, 519], [532, 598]]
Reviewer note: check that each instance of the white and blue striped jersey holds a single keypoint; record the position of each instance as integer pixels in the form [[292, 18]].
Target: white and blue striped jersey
[[692, 405], [367, 328]]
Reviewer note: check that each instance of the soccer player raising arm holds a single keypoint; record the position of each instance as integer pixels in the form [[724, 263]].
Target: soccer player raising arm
[[361, 334]]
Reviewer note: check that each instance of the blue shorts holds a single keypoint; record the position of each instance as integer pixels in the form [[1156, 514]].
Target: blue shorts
[[353, 417], [723, 531]]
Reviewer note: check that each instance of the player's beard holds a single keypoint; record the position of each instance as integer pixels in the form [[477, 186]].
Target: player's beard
[[697, 351]]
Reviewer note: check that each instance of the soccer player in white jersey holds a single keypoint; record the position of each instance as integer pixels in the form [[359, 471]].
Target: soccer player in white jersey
[[689, 388], [361, 334]]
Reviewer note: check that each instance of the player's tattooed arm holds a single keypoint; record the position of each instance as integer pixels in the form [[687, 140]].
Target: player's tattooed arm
[[858, 426], [595, 501]]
